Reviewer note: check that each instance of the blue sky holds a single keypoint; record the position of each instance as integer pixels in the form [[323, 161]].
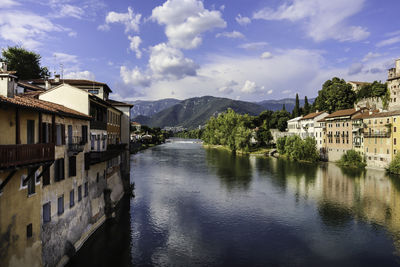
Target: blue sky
[[242, 49]]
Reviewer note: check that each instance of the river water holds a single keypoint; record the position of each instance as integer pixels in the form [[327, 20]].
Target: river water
[[207, 207]]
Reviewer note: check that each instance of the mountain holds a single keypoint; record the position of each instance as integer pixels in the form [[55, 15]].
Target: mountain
[[277, 104], [149, 108], [191, 113]]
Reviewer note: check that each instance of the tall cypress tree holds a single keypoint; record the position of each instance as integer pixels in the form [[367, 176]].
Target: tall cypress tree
[[306, 106], [284, 108], [296, 110]]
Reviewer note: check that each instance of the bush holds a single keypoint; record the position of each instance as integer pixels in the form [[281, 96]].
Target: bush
[[394, 166], [294, 148], [280, 145], [352, 159]]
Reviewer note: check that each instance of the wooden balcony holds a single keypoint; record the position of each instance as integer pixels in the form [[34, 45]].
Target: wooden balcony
[[13, 156], [98, 125], [75, 145]]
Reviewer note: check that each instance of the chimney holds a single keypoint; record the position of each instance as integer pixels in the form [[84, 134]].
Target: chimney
[[47, 84], [57, 78], [3, 67], [8, 82]]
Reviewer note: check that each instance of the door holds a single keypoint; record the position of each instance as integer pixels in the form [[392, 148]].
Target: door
[[30, 130], [69, 134], [98, 142]]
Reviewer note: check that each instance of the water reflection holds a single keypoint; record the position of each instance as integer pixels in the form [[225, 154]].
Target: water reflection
[[234, 171]]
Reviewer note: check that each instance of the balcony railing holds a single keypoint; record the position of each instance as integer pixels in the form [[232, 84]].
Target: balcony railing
[[12, 156], [98, 125], [377, 135], [75, 144], [118, 147]]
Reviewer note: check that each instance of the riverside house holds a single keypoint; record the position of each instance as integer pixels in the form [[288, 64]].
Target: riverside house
[[339, 132], [312, 127]]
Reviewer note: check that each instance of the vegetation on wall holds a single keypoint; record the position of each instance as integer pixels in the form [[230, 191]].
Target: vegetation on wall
[[294, 148], [394, 166]]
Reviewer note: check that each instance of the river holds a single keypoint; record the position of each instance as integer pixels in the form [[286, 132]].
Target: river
[[207, 207]]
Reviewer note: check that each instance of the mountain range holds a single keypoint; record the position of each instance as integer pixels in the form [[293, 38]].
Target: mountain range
[[192, 112]]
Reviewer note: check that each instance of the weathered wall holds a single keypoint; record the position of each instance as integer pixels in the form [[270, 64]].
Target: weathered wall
[[17, 211]]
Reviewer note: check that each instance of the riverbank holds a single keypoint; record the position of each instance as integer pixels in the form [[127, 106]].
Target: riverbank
[[255, 151]]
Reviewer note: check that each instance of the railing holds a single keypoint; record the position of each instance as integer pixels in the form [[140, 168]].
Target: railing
[[116, 147], [98, 125], [75, 144], [378, 135], [21, 155], [101, 156], [357, 144]]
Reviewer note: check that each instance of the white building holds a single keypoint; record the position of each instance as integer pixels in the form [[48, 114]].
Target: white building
[[393, 83], [294, 126], [310, 127]]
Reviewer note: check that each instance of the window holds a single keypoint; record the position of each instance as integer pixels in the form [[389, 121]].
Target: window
[[97, 177], [60, 134], [86, 189], [394, 129], [46, 176], [29, 230], [72, 198], [394, 120], [395, 151], [59, 170], [31, 186], [45, 133], [394, 140], [30, 131], [84, 134], [94, 91], [46, 212], [72, 166], [60, 206], [79, 193]]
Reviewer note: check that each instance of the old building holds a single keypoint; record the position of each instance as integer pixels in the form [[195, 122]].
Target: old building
[[339, 132], [294, 126], [310, 126], [393, 83]]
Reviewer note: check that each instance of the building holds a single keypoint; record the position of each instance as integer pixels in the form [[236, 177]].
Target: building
[[294, 126], [393, 83], [356, 86], [339, 132], [311, 127]]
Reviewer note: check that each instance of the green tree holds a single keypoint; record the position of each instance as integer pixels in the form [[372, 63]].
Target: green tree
[[296, 110], [394, 166], [307, 106], [335, 94], [352, 159], [26, 63]]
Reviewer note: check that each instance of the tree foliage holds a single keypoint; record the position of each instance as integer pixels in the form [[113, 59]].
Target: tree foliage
[[394, 166], [335, 94], [26, 63], [352, 159], [375, 89], [296, 109], [294, 148], [307, 107]]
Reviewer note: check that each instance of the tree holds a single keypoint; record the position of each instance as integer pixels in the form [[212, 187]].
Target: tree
[[296, 110], [306, 106], [335, 94], [283, 107], [26, 63]]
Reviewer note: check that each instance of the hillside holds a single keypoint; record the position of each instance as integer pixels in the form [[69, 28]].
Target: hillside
[[196, 111], [277, 104], [149, 108]]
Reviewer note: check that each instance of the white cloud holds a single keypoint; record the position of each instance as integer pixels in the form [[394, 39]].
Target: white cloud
[[253, 46], [370, 56], [270, 92], [8, 3], [65, 58], [25, 28], [134, 77], [186, 21], [355, 68], [135, 42], [70, 11], [323, 19], [85, 75], [228, 88], [72, 34], [243, 20], [389, 41], [266, 55], [250, 87], [233, 35], [130, 19], [286, 92], [169, 62], [222, 7]]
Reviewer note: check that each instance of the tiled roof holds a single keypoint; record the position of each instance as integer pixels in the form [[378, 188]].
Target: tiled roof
[[364, 114], [30, 86], [41, 105], [312, 115], [383, 114], [341, 113], [118, 103], [295, 119], [32, 94], [74, 82]]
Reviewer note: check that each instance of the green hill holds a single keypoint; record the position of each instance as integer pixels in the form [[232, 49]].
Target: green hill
[[191, 113]]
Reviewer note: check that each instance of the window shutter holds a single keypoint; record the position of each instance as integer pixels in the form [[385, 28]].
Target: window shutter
[[63, 134]]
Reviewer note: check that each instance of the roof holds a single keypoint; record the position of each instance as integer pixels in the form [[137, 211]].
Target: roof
[[33, 94], [41, 105], [342, 113], [30, 86], [74, 82], [118, 103], [364, 114], [295, 119], [312, 115], [382, 114]]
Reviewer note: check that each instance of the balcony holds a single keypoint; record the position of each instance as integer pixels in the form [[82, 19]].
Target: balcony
[[13, 156], [116, 147], [377, 135], [75, 145], [98, 125]]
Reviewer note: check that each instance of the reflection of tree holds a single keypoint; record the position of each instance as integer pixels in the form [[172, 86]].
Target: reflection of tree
[[233, 170], [334, 214]]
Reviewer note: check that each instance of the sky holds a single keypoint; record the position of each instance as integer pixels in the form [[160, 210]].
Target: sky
[[250, 50]]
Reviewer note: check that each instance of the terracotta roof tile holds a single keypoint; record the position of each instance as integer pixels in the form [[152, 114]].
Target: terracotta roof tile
[[45, 106], [312, 115], [341, 113], [30, 86]]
